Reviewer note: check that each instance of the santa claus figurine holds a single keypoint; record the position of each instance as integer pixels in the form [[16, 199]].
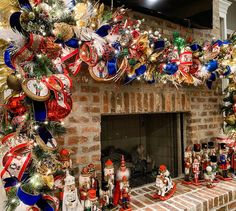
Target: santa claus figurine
[[209, 177], [84, 185], [94, 180], [92, 202], [109, 178], [121, 172], [125, 194], [196, 171], [224, 164], [70, 196], [188, 164]]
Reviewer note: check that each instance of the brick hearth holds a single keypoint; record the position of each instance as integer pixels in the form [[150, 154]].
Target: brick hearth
[[188, 197]]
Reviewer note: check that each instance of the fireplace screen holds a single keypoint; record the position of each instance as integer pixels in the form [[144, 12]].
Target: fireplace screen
[[146, 141]]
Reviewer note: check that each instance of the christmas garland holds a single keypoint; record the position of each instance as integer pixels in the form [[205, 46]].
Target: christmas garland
[[52, 39]]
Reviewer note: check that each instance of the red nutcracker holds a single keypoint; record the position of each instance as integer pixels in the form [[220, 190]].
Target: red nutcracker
[[125, 194], [84, 185], [188, 160], [94, 180], [196, 172], [205, 158]]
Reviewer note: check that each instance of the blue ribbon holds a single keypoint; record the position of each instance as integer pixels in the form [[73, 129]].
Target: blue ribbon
[[170, 68], [159, 44], [212, 65], [25, 4], [73, 42], [141, 70], [218, 42], [112, 66], [27, 198], [44, 134], [103, 30], [10, 182], [40, 112], [7, 57]]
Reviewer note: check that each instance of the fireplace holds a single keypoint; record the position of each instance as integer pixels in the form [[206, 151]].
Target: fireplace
[[146, 141]]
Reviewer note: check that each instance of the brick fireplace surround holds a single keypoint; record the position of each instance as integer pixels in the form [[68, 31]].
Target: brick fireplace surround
[[202, 120]]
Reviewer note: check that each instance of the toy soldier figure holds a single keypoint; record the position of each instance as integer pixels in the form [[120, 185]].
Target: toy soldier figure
[[205, 158], [223, 162], [211, 147], [214, 166], [94, 180], [209, 177], [197, 154], [233, 162], [125, 191], [121, 172], [84, 185], [109, 178], [92, 202], [196, 171], [105, 196], [188, 164]]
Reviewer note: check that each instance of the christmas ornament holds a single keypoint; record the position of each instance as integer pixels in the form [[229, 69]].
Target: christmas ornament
[[16, 105], [13, 82]]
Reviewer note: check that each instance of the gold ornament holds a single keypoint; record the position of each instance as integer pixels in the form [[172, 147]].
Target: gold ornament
[[48, 180], [230, 119], [63, 31], [13, 82]]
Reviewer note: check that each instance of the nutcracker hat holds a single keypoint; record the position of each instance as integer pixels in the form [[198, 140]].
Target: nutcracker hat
[[109, 164], [85, 171], [105, 186], [222, 145], [204, 145], [69, 180], [92, 195], [196, 147], [91, 167], [122, 166], [162, 168], [211, 145], [213, 158]]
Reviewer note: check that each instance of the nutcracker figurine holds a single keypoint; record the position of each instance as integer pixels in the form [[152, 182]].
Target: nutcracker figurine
[[92, 202], [109, 178], [212, 149], [214, 166], [121, 172], [125, 194], [188, 159], [197, 154], [233, 162], [164, 184], [224, 163], [196, 172], [94, 180], [84, 185], [70, 196], [209, 177], [65, 159], [205, 158], [105, 198]]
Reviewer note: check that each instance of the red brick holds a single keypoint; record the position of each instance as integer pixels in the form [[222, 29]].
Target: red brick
[[96, 99], [105, 102], [79, 119], [90, 129], [96, 158], [95, 89], [232, 205], [82, 160], [83, 98]]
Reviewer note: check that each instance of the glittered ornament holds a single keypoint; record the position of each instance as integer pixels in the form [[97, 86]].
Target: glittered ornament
[[63, 31], [16, 105], [230, 119], [13, 82], [31, 16]]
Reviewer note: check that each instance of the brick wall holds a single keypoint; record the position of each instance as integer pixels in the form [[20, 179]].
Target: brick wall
[[91, 99]]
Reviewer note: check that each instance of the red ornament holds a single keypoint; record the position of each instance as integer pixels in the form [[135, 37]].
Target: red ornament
[[65, 154], [16, 105], [195, 67], [55, 112]]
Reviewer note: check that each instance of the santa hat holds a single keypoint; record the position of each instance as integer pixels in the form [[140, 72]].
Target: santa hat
[[109, 164], [122, 166], [162, 168], [92, 195], [69, 180]]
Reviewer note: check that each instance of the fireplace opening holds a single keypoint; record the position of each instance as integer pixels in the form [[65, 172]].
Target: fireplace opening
[[146, 141]]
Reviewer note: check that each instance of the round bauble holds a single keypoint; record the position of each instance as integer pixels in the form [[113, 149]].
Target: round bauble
[[13, 82]]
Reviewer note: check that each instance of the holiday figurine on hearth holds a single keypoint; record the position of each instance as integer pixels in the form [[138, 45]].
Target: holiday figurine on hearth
[[214, 166], [188, 159], [205, 158], [164, 184], [224, 164], [211, 148], [70, 196], [92, 202], [104, 196], [84, 185], [121, 172], [109, 177], [94, 180], [196, 171], [197, 154], [209, 177], [125, 194]]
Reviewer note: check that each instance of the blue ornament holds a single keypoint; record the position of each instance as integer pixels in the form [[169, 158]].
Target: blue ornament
[[112, 66], [103, 30], [212, 65], [141, 70], [7, 57], [170, 68], [159, 44]]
